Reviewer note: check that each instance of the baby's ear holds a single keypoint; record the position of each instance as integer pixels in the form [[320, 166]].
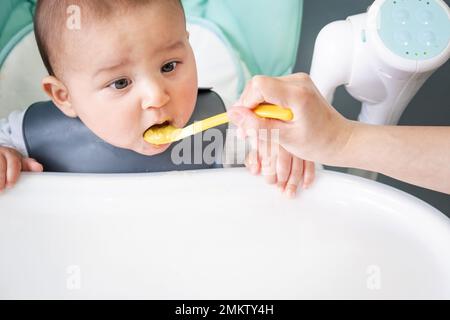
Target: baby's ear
[[59, 94]]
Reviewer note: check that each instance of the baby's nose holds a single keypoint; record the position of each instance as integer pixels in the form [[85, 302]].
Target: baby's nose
[[154, 96]]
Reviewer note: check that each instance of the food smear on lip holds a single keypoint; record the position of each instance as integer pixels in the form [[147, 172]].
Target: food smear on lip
[[162, 134]]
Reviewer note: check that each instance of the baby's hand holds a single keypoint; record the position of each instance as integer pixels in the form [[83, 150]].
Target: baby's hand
[[280, 167], [11, 164]]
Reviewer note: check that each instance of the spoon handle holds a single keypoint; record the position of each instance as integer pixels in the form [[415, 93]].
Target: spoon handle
[[263, 111], [272, 111], [170, 134]]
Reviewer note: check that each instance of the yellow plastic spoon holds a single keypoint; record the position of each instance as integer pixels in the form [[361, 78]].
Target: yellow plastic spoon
[[169, 134]]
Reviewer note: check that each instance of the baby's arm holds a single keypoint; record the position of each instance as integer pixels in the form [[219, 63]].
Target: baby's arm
[[13, 155]]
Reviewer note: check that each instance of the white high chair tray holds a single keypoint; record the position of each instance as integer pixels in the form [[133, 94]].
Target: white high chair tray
[[218, 234]]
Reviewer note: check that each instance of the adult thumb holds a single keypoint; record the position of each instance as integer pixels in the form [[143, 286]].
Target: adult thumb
[[246, 119]]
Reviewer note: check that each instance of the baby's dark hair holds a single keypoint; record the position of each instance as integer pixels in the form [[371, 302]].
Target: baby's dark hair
[[51, 18]]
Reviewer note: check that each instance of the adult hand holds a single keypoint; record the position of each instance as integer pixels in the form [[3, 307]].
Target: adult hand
[[417, 155], [317, 133]]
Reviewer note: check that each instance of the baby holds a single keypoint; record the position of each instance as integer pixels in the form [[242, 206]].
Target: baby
[[129, 64]]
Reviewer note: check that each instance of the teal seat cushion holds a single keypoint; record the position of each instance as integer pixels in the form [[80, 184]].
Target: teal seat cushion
[[265, 33], [16, 20]]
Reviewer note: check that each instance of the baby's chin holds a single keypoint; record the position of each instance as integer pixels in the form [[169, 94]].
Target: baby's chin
[[149, 149]]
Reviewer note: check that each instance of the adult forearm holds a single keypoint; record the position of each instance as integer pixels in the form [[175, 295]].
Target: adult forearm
[[418, 155]]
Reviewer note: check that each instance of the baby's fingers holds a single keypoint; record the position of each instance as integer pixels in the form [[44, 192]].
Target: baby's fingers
[[31, 165], [295, 177], [309, 174], [13, 167], [2, 172]]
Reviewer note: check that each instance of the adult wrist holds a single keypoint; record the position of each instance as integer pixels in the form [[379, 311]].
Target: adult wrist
[[344, 149]]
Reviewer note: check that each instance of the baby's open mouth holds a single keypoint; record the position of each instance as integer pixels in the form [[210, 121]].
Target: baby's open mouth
[[158, 126], [160, 134], [163, 134]]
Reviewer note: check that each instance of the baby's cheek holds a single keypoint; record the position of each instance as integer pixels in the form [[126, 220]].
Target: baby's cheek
[[186, 103], [121, 127], [189, 88], [108, 122]]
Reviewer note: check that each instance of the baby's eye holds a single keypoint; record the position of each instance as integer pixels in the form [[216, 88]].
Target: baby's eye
[[120, 84], [169, 67]]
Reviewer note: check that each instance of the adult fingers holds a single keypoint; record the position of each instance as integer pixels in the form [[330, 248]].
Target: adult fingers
[[309, 174], [268, 153], [293, 91], [253, 163], [263, 89], [295, 177], [254, 126], [284, 164]]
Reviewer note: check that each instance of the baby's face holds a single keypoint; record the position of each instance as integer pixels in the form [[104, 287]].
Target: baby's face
[[131, 72]]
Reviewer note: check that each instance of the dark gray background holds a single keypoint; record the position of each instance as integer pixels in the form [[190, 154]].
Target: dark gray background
[[430, 107]]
